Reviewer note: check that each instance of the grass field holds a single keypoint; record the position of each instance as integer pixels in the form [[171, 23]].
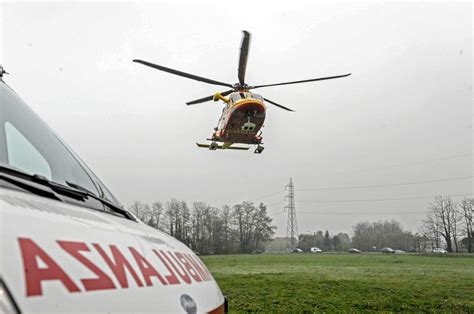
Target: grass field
[[344, 282]]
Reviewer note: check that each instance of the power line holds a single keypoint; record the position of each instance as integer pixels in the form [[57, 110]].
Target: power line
[[275, 203], [395, 165], [260, 198], [385, 185], [368, 186], [379, 199], [357, 213], [363, 213]]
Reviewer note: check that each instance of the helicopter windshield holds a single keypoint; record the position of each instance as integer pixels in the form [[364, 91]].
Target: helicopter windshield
[[244, 95]]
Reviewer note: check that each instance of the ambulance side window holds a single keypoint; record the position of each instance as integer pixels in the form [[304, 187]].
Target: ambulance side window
[[23, 155]]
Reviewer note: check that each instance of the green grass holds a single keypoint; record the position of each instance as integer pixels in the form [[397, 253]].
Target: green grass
[[345, 283]]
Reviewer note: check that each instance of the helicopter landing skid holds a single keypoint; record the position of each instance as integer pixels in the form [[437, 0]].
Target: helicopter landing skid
[[259, 149], [215, 146]]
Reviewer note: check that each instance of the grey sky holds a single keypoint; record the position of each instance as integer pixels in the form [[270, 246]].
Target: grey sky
[[404, 115]]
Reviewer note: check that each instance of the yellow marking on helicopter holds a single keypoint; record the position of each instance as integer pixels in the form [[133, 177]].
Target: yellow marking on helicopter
[[218, 96], [248, 101]]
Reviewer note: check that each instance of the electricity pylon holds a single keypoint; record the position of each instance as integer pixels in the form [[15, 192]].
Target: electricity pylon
[[292, 225]]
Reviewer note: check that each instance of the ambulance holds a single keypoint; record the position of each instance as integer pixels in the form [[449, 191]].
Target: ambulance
[[68, 245]]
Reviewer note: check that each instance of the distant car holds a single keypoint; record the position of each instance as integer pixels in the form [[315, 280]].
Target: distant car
[[257, 252], [297, 250], [316, 250], [388, 250], [439, 250], [354, 250], [399, 251]]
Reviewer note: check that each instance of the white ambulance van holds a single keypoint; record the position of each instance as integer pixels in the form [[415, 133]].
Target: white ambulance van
[[68, 245]]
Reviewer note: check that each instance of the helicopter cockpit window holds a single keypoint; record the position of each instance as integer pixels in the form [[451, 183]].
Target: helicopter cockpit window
[[244, 95], [235, 97]]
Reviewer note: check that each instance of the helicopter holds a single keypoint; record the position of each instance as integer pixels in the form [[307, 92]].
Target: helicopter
[[243, 114]]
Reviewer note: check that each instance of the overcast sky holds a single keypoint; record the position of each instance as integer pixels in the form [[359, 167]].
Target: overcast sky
[[405, 114]]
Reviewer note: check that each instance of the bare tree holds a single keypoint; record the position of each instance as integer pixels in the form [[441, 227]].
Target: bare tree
[[141, 210], [264, 229], [444, 216], [228, 238], [253, 225], [431, 231], [197, 223], [456, 219], [467, 206], [421, 241], [156, 215], [173, 217]]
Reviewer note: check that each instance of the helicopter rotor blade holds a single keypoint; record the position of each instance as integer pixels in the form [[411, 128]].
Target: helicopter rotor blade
[[187, 75], [275, 104], [303, 81], [208, 98], [244, 51]]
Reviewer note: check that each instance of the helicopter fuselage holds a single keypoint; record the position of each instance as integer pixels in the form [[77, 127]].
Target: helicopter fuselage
[[241, 120]]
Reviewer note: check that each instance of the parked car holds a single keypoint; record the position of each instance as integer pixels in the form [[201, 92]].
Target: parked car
[[297, 250], [388, 250], [399, 251], [439, 250], [316, 250], [354, 250]]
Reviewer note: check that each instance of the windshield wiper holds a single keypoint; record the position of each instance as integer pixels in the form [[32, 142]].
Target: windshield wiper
[[104, 201], [20, 178], [26, 185]]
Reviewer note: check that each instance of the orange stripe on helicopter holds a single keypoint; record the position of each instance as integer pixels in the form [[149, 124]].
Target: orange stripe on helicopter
[[248, 102]]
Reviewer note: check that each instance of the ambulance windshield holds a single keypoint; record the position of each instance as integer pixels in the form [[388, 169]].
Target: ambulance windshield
[[29, 145]]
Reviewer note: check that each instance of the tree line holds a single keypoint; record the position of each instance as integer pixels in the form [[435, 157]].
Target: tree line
[[241, 228], [448, 224], [247, 228]]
